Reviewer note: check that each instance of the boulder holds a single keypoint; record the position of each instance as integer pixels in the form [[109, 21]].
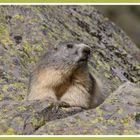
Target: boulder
[[25, 34]]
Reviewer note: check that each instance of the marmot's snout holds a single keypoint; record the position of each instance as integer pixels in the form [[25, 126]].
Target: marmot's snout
[[84, 52]]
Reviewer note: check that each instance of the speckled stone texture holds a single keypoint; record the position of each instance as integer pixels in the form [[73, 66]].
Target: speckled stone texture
[[26, 32]]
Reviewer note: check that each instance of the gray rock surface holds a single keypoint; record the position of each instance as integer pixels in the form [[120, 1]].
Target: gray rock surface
[[26, 32]]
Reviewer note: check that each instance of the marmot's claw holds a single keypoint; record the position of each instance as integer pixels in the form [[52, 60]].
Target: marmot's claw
[[57, 105], [54, 107], [63, 104]]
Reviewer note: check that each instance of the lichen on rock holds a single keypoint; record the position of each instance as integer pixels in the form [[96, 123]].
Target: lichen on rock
[[27, 31]]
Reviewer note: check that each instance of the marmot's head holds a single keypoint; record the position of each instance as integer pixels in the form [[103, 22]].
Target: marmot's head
[[74, 52], [68, 55]]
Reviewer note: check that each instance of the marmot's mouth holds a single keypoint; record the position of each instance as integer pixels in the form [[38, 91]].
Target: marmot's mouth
[[83, 59]]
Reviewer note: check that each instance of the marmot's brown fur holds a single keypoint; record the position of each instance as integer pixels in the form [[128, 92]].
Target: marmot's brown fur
[[62, 76]]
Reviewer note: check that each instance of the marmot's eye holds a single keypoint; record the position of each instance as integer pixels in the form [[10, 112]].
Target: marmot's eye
[[69, 45]]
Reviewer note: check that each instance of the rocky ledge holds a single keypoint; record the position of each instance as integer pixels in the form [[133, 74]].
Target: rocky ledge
[[26, 32]]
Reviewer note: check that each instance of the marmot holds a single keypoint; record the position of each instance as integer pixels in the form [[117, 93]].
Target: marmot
[[62, 76]]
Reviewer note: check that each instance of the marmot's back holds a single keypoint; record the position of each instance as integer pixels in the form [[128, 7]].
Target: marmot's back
[[62, 76]]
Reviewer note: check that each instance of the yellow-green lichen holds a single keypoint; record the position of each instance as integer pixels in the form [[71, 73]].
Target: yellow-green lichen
[[18, 17], [5, 88], [10, 131], [4, 35]]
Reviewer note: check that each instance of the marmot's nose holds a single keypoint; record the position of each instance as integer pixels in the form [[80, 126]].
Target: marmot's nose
[[86, 50]]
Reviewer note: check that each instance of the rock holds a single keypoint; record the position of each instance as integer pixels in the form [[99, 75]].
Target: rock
[[112, 60], [126, 14], [119, 114], [26, 117]]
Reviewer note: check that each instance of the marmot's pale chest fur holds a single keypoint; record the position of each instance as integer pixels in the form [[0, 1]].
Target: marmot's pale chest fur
[[62, 76]]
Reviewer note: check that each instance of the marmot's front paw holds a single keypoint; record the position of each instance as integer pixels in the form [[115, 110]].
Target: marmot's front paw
[[59, 104], [64, 104], [51, 100]]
